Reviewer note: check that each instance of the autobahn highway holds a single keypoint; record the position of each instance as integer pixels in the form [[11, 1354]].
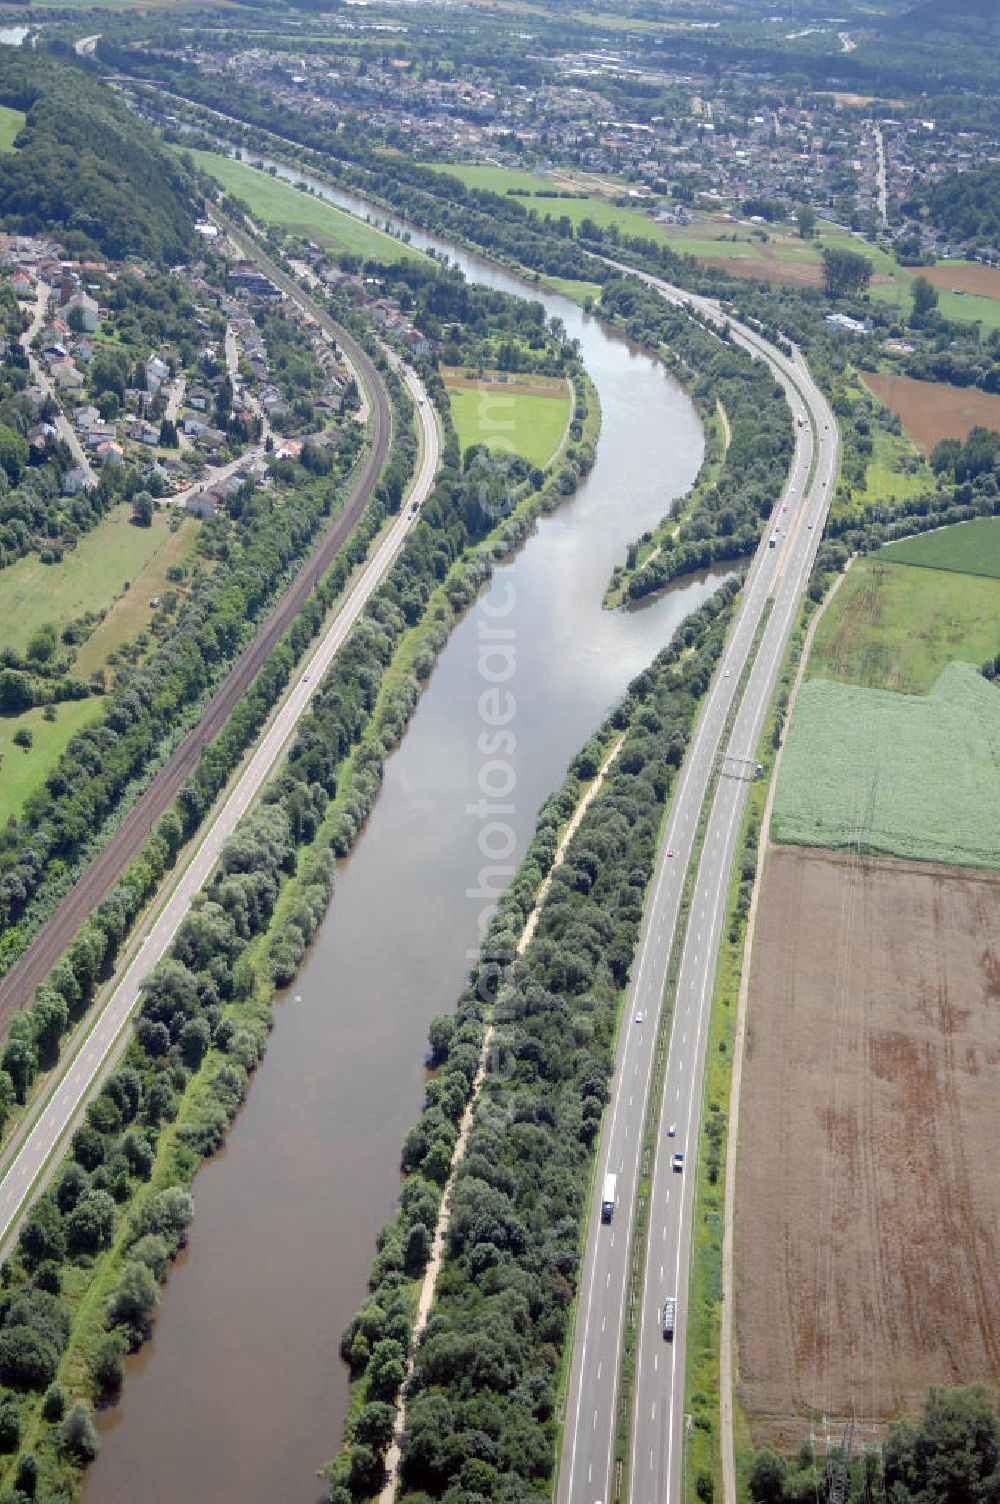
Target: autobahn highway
[[587, 1470], [56, 1116]]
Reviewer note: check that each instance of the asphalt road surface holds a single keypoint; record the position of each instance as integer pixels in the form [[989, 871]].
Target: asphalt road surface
[[56, 1116], [779, 573], [17, 987]]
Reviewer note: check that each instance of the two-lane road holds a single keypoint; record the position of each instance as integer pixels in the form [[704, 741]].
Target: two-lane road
[[57, 1115], [779, 573]]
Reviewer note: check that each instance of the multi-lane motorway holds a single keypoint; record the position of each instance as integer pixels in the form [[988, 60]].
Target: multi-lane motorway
[[57, 1115], [777, 574]]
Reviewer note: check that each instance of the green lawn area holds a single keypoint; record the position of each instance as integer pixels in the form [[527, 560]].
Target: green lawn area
[[970, 548], [500, 179], [279, 203], [11, 122], [131, 613], [22, 772], [894, 627], [903, 775], [515, 422], [88, 579], [896, 469], [570, 287]]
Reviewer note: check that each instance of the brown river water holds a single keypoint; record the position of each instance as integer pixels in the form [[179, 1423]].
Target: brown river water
[[240, 1395]]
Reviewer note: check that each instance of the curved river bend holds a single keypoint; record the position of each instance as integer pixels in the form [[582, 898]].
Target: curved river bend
[[241, 1394]]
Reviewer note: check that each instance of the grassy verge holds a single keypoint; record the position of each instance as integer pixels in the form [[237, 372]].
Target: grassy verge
[[702, 1460], [24, 769], [11, 122], [651, 1126]]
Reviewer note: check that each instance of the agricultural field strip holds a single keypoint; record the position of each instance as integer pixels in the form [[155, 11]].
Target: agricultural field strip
[[591, 1405], [26, 1171], [971, 548], [872, 985], [275, 201], [912, 776]]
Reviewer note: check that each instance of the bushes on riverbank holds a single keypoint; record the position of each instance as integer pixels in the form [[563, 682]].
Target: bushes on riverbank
[[205, 1011], [33, 1038], [481, 1398], [723, 520]]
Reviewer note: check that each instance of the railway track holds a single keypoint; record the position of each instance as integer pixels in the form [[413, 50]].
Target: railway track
[[17, 987]]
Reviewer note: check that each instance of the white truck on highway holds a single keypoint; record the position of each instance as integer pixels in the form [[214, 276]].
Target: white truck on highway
[[608, 1198], [669, 1317]]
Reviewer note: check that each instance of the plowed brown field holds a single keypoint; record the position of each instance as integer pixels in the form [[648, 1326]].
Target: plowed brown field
[[867, 1238], [933, 410], [972, 276]]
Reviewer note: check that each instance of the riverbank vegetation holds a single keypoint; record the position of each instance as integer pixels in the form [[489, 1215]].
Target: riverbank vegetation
[[108, 1228], [481, 1399], [728, 510]]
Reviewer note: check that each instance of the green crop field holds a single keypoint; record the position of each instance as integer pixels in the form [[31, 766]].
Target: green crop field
[[514, 422], [893, 627], [279, 203], [500, 179], [21, 772], [964, 547], [33, 594], [11, 122], [901, 775]]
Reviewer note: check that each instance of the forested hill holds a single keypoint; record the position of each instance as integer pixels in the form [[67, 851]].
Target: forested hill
[[86, 168], [967, 204]]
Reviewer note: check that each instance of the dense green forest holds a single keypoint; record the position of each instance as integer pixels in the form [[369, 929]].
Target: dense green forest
[[86, 170], [966, 205]]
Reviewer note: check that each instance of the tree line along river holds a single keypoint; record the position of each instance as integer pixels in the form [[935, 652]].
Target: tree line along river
[[241, 1394]]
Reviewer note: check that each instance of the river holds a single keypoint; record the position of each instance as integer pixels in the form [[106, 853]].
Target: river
[[240, 1394]]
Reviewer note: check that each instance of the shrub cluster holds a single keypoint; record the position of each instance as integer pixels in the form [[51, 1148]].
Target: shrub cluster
[[727, 518], [481, 1399]]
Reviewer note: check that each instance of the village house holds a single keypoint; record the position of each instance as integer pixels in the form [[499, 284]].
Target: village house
[[82, 312], [75, 480], [157, 371]]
